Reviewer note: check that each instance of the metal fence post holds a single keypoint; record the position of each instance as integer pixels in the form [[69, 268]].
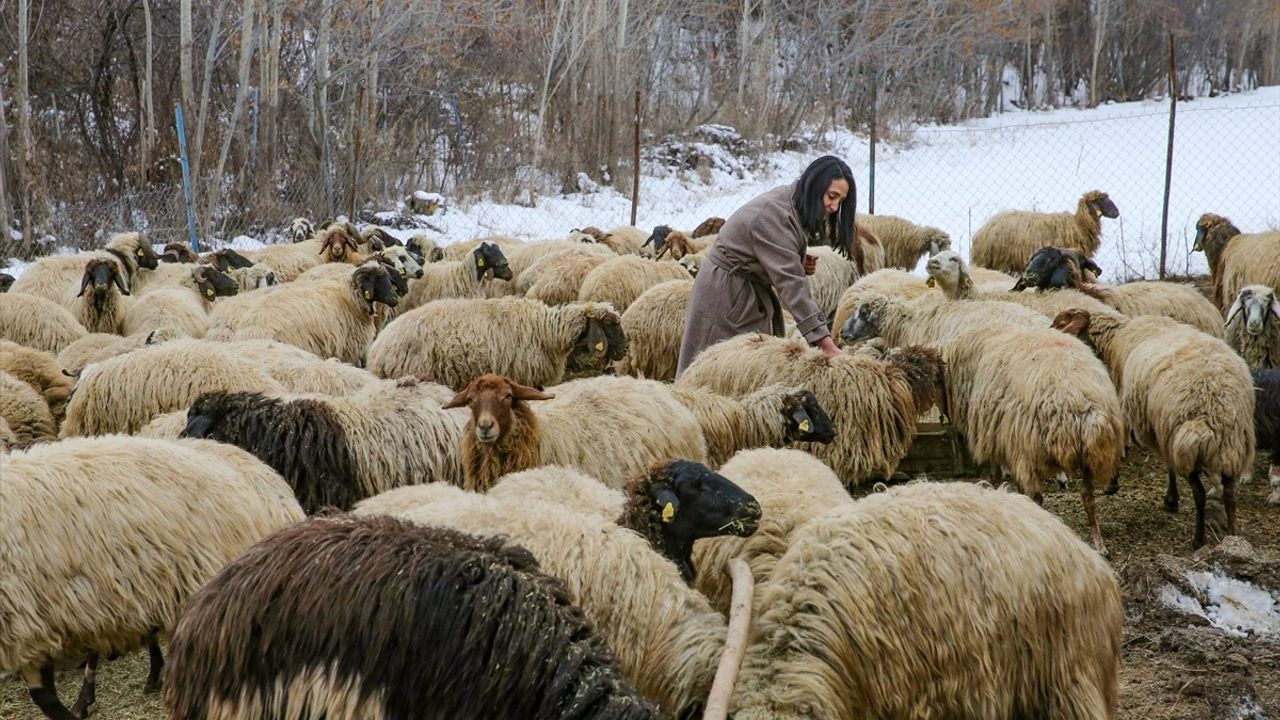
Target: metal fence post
[[871, 192], [186, 177], [1168, 159]]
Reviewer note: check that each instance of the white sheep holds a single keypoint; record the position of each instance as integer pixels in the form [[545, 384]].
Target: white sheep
[[52, 276], [465, 278], [556, 278], [619, 281], [1007, 240], [96, 347], [38, 323], [25, 412], [1253, 327], [773, 416], [185, 308], [653, 326], [299, 371], [904, 242], [100, 303], [41, 371], [332, 244]]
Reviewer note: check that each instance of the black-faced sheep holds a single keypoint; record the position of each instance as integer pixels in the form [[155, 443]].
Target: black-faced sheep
[[6, 282], [105, 540], [653, 326], [630, 577], [383, 618], [463, 278], [52, 276], [619, 281], [1186, 396], [873, 403], [184, 309], [331, 319], [1236, 260], [1007, 240], [41, 371], [338, 451], [935, 600], [454, 341], [772, 416], [609, 427], [1253, 327], [99, 304], [904, 241]]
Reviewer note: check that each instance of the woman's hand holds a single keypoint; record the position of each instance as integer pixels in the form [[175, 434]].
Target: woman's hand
[[828, 346], [810, 264]]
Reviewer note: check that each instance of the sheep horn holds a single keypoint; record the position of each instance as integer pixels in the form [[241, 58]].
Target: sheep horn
[[735, 641], [1236, 307]]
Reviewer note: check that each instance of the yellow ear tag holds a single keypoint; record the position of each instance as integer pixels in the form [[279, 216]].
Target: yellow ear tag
[[804, 426], [930, 282], [368, 294], [599, 346], [208, 291], [479, 262], [141, 252], [1097, 212], [668, 512]]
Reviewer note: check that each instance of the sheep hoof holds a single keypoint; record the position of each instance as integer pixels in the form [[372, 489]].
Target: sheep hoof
[[1113, 487], [1170, 504]]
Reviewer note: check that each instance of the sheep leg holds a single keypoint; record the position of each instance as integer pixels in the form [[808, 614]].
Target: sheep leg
[[1197, 492], [45, 696], [1091, 512], [1112, 487], [157, 665], [1229, 501], [1171, 495], [88, 689]]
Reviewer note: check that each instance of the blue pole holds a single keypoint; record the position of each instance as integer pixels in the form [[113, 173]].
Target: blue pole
[[186, 177]]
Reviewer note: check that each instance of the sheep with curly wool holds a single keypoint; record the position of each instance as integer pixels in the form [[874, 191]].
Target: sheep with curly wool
[[453, 341], [96, 347], [25, 412], [100, 303], [299, 371], [1007, 239], [362, 617], [1253, 327], [1024, 398], [1236, 260], [628, 424], [629, 577], [773, 416], [51, 277], [1186, 396], [561, 485], [872, 402], [904, 241], [123, 393], [653, 326], [110, 537], [556, 279], [466, 278], [336, 451], [184, 309], [833, 275], [997, 611], [334, 318], [931, 321], [619, 281], [41, 371]]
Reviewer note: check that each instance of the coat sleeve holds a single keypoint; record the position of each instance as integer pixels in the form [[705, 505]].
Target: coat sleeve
[[775, 250]]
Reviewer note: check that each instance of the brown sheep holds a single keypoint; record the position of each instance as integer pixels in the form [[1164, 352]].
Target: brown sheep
[[1007, 240]]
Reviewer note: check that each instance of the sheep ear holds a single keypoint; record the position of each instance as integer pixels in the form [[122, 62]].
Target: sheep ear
[[1071, 322], [1275, 307], [84, 283], [462, 399], [119, 281], [525, 393]]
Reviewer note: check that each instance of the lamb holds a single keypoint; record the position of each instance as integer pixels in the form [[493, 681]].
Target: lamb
[[184, 309], [619, 281], [629, 424], [1023, 399], [37, 323], [874, 402], [123, 393], [41, 371], [1186, 396], [1007, 239], [104, 309], [773, 416], [1266, 423], [96, 347], [997, 611], [330, 319], [136, 525], [453, 341], [457, 278], [1235, 260], [630, 578], [1253, 327], [337, 451], [25, 412], [556, 279], [653, 326], [904, 242], [507, 642], [50, 277]]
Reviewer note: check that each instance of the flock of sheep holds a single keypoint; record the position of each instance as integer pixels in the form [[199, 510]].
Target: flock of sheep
[[346, 477]]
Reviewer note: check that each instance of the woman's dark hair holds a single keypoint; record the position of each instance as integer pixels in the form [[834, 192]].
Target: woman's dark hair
[[834, 230]]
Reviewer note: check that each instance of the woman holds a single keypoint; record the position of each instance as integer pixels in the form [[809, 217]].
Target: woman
[[760, 250]]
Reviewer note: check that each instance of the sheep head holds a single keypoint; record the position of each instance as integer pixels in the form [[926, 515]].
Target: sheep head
[[1074, 321], [1099, 204], [176, 252], [405, 263], [710, 226], [6, 282], [926, 374], [396, 272], [865, 322], [1259, 305], [934, 241], [1212, 234], [677, 244], [140, 249], [301, 229], [424, 250], [681, 501], [949, 271], [207, 416], [378, 239], [691, 263], [600, 341], [807, 420], [494, 400], [490, 262], [1052, 267], [213, 284], [101, 274], [339, 245], [658, 238], [372, 284], [226, 259]]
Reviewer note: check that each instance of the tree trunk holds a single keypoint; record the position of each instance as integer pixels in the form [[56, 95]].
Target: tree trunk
[[6, 210], [1099, 34], [149, 126], [247, 27], [25, 194], [210, 55], [322, 102], [184, 60]]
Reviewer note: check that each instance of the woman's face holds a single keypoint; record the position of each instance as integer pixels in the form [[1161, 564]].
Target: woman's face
[[836, 192]]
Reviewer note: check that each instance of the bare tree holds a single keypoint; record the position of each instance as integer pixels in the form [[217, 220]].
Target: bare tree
[[148, 132], [242, 90], [1100, 9], [6, 211], [25, 193], [322, 101]]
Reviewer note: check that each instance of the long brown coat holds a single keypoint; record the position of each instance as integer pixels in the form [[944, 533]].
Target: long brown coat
[[757, 260]]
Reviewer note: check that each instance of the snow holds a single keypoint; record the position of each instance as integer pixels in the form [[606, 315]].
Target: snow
[[1237, 607], [1226, 160], [425, 196]]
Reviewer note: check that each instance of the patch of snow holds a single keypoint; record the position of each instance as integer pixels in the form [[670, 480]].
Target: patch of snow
[[386, 217], [1237, 607], [15, 268], [425, 196], [244, 242], [586, 184]]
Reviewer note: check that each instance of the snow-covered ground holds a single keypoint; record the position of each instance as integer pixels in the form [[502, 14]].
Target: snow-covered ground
[[1226, 160], [1237, 607]]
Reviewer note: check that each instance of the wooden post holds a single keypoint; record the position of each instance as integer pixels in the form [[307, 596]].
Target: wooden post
[[871, 191], [186, 176], [1168, 160], [635, 161]]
